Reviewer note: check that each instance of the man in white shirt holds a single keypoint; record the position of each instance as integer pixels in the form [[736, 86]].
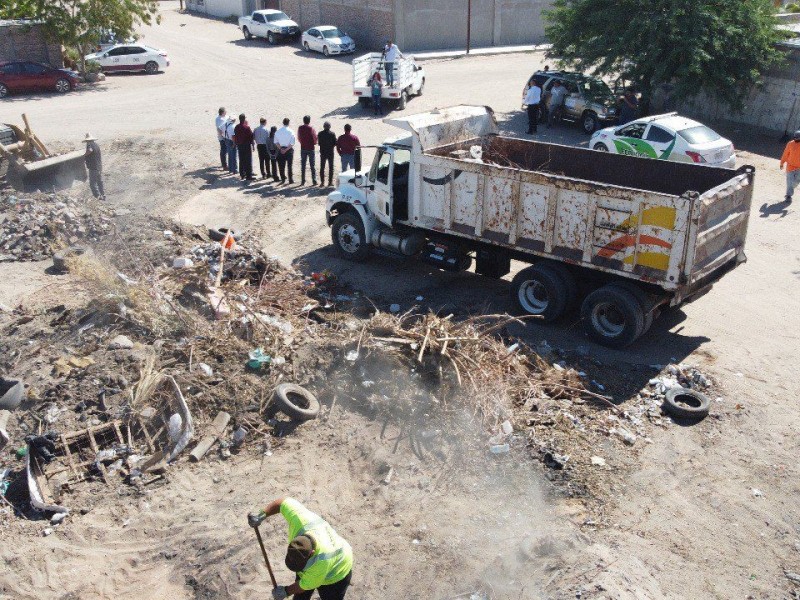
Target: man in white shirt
[[220, 122], [532, 100], [285, 141], [390, 54], [230, 144]]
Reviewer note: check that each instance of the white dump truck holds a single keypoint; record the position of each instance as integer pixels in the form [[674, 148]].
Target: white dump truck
[[409, 79], [618, 236]]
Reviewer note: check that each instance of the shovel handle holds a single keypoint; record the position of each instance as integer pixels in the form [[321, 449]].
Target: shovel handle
[[266, 559]]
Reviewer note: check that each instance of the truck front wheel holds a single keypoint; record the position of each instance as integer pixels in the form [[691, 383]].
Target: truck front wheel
[[613, 316], [271, 37], [349, 238], [540, 290]]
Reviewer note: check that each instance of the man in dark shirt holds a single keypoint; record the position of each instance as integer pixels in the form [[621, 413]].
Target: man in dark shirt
[[346, 147], [307, 137], [94, 164], [243, 136], [327, 143]]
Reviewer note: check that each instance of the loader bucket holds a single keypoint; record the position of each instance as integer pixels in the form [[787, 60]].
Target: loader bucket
[[48, 174]]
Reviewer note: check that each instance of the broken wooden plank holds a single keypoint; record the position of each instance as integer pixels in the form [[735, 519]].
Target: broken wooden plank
[[217, 429]]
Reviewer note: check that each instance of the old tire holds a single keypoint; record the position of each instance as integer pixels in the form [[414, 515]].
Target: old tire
[[349, 237], [151, 68], [589, 123], [684, 403], [63, 86], [219, 233], [271, 37], [540, 290], [600, 147], [296, 402], [11, 393], [3, 91], [247, 34], [613, 316], [403, 101], [62, 257]]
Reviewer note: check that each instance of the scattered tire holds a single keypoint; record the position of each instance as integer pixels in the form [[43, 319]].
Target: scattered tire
[[219, 234], [613, 316], [540, 290], [684, 403], [349, 238], [11, 393], [62, 257], [296, 402], [63, 86]]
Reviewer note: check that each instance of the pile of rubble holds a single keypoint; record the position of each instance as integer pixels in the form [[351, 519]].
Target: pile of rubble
[[34, 226]]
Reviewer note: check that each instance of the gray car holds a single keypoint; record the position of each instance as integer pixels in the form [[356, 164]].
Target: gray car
[[589, 101]]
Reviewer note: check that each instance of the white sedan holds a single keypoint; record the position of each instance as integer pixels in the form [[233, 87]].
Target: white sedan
[[668, 137], [131, 57], [328, 40]]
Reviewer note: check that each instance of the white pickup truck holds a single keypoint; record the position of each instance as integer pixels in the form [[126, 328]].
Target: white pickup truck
[[409, 79], [271, 24], [617, 235]]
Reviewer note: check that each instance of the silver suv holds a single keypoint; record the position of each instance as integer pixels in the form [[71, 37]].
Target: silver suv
[[589, 101]]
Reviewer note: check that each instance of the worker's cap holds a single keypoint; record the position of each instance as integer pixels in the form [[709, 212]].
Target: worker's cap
[[300, 551], [89, 138], [796, 136]]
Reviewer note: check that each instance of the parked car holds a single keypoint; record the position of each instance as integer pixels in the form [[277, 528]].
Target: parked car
[[131, 57], [24, 76], [271, 24], [668, 137], [328, 40], [589, 101]]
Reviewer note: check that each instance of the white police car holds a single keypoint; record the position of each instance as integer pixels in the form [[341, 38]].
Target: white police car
[[667, 137]]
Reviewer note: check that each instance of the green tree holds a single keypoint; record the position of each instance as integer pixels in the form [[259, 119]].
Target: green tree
[[79, 24], [721, 47]]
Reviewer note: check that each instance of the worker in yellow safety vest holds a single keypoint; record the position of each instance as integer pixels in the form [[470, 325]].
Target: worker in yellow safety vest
[[322, 559]]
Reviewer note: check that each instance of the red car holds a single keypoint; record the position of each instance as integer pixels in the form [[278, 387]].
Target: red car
[[22, 76]]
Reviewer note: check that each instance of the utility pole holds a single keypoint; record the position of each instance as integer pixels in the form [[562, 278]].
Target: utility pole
[[469, 23]]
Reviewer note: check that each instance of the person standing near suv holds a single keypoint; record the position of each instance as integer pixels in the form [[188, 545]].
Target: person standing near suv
[[555, 102], [533, 100]]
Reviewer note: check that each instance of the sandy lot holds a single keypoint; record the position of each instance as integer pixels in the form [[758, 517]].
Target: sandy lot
[[681, 520]]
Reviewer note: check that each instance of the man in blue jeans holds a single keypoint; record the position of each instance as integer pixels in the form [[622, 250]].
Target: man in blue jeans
[[230, 125], [390, 54], [346, 147], [220, 122]]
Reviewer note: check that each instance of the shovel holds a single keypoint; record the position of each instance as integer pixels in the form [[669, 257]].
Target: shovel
[[266, 559]]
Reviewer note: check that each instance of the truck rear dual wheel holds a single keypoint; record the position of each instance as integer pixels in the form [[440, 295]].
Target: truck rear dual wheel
[[613, 316], [403, 101], [544, 289], [349, 238]]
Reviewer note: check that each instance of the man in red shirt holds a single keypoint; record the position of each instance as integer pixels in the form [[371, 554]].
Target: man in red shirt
[[243, 136], [346, 147], [307, 137], [791, 158]]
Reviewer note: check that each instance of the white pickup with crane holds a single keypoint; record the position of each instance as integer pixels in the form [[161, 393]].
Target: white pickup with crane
[[619, 236]]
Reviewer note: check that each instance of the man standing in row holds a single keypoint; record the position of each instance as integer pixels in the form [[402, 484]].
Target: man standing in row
[[532, 100], [221, 122], [327, 143], [244, 142], [285, 141], [230, 144], [307, 137], [94, 164], [320, 557], [346, 147], [390, 54], [261, 137]]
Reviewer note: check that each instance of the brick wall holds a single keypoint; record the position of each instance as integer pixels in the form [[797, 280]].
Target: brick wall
[[28, 42]]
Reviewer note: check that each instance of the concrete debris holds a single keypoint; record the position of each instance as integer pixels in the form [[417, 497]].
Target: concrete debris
[[58, 518], [37, 225], [623, 434], [757, 493], [598, 461], [205, 369], [182, 263], [121, 342]]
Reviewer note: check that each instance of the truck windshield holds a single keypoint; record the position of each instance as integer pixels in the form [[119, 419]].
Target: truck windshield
[[276, 17]]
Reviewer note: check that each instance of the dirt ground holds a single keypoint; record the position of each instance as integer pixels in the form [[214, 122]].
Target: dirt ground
[[680, 519]]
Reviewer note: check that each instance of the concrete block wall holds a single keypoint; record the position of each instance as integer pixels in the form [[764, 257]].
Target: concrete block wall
[[773, 106], [28, 42], [369, 22]]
